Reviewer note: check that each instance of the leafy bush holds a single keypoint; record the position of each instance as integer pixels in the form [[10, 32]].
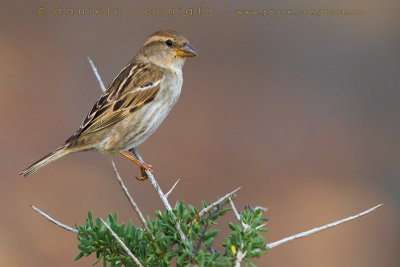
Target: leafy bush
[[162, 245]]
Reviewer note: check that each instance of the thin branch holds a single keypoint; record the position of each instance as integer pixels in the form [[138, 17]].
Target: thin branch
[[318, 229], [172, 188], [166, 204], [260, 208], [162, 196], [238, 217], [239, 257], [219, 201], [103, 88], [122, 244], [261, 226], [240, 254], [235, 210], [133, 203], [198, 246], [66, 227]]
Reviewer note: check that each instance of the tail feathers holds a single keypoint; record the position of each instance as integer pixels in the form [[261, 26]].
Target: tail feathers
[[52, 156]]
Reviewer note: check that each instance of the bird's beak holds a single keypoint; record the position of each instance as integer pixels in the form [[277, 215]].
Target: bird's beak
[[186, 51]]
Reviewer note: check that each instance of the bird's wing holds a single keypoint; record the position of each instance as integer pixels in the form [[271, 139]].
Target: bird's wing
[[136, 85]]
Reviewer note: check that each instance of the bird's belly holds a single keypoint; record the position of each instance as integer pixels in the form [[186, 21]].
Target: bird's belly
[[152, 116], [135, 129]]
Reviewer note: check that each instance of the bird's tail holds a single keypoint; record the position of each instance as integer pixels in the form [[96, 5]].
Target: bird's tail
[[52, 156]]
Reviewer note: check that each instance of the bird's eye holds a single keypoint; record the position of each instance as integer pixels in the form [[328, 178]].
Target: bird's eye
[[169, 42]]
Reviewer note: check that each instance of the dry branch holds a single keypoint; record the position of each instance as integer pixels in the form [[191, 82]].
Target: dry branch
[[172, 188], [103, 88], [127, 250], [219, 201], [318, 229], [66, 227], [133, 203], [161, 195]]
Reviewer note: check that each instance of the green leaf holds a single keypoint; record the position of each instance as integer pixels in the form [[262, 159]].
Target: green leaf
[[80, 255], [180, 260], [98, 259], [232, 226], [201, 258], [212, 233]]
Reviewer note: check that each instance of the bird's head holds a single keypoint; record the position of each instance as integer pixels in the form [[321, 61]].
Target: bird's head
[[167, 49]]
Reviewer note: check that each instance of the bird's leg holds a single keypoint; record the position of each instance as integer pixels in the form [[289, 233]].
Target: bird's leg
[[142, 170], [143, 166], [136, 161]]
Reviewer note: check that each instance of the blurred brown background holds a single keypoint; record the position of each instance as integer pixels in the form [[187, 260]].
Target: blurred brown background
[[302, 111]]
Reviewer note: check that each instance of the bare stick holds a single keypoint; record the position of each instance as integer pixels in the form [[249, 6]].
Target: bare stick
[[261, 226], [133, 203], [154, 182], [103, 88], [219, 201], [166, 204], [66, 227], [239, 257], [318, 229], [235, 210], [260, 208], [162, 196], [122, 244], [245, 226], [240, 254], [172, 188]]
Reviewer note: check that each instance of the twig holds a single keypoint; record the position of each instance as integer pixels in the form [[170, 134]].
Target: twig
[[133, 203], [318, 229], [245, 226], [260, 208], [172, 188], [154, 182], [235, 210], [122, 244], [261, 226], [239, 257], [162, 196], [212, 250], [240, 254], [219, 201], [66, 227], [103, 88], [196, 250]]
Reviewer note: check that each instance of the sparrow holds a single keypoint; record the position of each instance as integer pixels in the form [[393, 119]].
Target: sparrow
[[134, 104]]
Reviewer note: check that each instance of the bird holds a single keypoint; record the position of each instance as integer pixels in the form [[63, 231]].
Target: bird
[[134, 104]]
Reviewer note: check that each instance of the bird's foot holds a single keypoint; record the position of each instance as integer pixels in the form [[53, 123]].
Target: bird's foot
[[144, 175], [143, 166]]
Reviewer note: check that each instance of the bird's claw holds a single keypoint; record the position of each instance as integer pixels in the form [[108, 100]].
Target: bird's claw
[[144, 175]]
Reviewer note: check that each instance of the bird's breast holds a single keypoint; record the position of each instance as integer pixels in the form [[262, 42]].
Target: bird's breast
[[145, 121], [170, 88], [156, 111]]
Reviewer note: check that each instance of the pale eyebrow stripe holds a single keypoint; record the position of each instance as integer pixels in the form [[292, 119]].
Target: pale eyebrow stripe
[[156, 39]]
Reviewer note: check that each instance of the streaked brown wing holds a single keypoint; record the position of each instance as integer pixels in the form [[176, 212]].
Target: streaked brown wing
[[136, 85]]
